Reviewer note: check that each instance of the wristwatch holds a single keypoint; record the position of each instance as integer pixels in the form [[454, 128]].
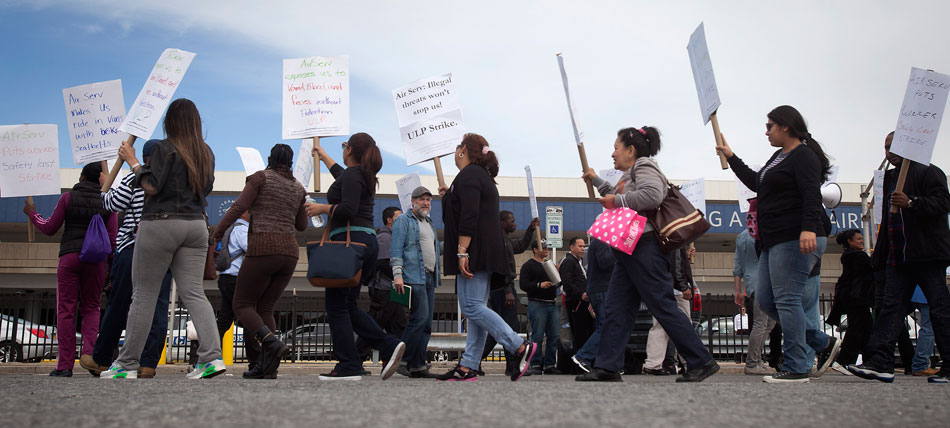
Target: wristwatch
[[910, 201]]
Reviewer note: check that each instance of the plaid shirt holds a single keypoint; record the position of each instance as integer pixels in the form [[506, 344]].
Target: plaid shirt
[[895, 238]]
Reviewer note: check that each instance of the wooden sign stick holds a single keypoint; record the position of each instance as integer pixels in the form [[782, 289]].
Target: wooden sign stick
[[438, 171], [585, 167], [901, 179], [715, 126], [316, 166], [30, 230], [115, 168]]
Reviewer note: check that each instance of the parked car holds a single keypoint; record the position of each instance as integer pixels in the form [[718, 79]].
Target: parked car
[[309, 341], [21, 340], [181, 344]]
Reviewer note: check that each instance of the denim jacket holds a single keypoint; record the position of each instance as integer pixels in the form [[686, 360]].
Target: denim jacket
[[406, 255]]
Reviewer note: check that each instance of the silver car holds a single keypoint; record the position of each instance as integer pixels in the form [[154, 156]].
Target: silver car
[[21, 340]]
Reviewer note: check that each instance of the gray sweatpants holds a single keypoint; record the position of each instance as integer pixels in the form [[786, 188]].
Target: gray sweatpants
[[179, 245], [761, 327]]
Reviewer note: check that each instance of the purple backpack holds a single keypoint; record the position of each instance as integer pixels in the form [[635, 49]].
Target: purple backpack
[[95, 246]]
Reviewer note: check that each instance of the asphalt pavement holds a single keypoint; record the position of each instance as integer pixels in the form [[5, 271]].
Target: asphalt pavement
[[297, 400]]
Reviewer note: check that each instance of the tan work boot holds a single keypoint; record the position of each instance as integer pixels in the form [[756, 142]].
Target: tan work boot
[[86, 362], [146, 372]]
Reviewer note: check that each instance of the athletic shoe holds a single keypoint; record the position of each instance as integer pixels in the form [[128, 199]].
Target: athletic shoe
[[116, 371], [938, 378], [656, 372], [61, 373], [207, 370], [457, 375], [524, 359], [759, 369], [930, 371], [335, 375], [390, 369], [583, 365], [865, 371], [700, 374], [599, 375], [843, 369], [827, 355], [90, 364], [786, 377]]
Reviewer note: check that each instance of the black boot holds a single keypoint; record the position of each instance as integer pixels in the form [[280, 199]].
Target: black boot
[[272, 351], [253, 351]]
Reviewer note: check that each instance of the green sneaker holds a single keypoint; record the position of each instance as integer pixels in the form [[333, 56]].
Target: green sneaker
[[117, 372], [206, 370]]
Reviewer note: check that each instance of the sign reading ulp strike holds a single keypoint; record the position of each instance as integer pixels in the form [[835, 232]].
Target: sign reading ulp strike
[[919, 121], [29, 160], [157, 93], [94, 113], [430, 118], [316, 97]]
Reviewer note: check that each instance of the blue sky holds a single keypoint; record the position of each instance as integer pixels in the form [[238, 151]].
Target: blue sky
[[843, 64]]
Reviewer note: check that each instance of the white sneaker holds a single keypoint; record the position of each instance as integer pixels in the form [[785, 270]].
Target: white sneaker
[[393, 362], [207, 370], [117, 372], [841, 369]]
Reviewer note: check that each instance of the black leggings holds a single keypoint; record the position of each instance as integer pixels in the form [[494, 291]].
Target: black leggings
[[260, 283]]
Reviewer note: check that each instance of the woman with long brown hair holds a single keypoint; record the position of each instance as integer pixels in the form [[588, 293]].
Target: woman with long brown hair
[[173, 235]]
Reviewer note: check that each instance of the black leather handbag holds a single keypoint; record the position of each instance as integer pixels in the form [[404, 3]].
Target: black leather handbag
[[335, 264]]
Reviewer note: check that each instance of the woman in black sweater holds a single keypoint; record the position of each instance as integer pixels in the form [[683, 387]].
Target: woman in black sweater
[[854, 296], [793, 229], [472, 225], [351, 198]]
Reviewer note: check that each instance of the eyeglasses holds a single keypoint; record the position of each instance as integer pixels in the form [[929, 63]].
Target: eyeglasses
[[768, 126], [345, 145]]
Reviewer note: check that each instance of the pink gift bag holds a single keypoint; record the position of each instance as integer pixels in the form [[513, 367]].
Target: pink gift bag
[[620, 228]]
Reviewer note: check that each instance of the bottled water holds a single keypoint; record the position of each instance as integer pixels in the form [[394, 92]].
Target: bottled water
[[317, 220]]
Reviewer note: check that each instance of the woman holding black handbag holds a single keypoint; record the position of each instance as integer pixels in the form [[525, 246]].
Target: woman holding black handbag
[[351, 198], [643, 275]]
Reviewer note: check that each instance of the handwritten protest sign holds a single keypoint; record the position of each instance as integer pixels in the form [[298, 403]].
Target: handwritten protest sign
[[703, 73], [157, 93], [430, 117], [303, 167], [93, 115], [252, 160], [611, 175], [316, 96], [404, 187], [924, 102], [29, 160], [532, 199], [744, 193], [695, 193], [878, 195]]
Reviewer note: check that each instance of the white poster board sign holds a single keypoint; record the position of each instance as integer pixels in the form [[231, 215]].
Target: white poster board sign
[[695, 193], [612, 176], [252, 160], [578, 134], [404, 187], [303, 166], [430, 118], [316, 97], [744, 194], [878, 195], [532, 199], [29, 160], [93, 115], [157, 93], [919, 120], [703, 73]]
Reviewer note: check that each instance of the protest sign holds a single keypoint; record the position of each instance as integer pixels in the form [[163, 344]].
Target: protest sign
[[578, 135], [404, 187], [611, 175], [695, 193], [705, 81], [252, 160], [878, 195], [29, 160], [303, 166], [532, 199], [744, 194], [93, 115], [157, 93], [430, 119], [924, 102], [316, 97]]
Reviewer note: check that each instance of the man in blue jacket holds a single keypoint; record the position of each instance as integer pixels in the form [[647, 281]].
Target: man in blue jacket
[[415, 258]]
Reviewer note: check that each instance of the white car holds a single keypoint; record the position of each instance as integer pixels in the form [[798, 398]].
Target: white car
[[181, 344], [21, 340]]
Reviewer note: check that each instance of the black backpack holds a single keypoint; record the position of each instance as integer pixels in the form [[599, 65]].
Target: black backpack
[[222, 261]]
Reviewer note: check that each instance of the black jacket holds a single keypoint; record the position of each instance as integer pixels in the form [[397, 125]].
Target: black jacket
[[926, 233], [573, 279], [681, 270], [512, 246], [532, 275], [166, 173], [855, 286], [351, 196], [470, 208], [85, 201], [789, 197], [600, 266]]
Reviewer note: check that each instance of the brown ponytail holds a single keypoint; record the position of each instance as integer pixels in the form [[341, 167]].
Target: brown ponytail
[[363, 147], [476, 148]]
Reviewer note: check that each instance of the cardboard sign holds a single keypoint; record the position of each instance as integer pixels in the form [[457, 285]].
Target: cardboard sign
[[878, 195], [29, 160], [303, 166], [578, 135], [316, 96], [157, 93], [252, 160], [695, 193], [430, 118], [404, 187], [703, 73], [93, 115], [532, 199], [920, 116]]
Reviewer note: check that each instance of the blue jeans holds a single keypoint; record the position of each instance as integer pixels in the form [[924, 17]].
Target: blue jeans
[[417, 332], [813, 320], [473, 301], [925, 340], [117, 312], [545, 321], [784, 292], [588, 352]]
